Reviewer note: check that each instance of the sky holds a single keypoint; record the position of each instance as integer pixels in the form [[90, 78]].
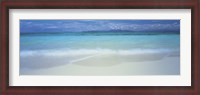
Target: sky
[[98, 25]]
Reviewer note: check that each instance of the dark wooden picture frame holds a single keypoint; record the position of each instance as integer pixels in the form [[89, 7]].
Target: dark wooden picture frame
[[100, 4]]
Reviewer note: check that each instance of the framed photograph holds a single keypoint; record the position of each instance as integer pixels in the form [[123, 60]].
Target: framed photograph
[[100, 47]]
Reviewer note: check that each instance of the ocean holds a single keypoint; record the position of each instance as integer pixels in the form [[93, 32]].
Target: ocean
[[99, 53]]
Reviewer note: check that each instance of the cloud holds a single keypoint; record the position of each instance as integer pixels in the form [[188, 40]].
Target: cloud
[[52, 27]]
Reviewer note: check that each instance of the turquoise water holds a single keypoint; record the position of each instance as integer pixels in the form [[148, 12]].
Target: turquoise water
[[65, 44], [56, 41]]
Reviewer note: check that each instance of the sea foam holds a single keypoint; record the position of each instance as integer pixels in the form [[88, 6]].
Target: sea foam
[[77, 52]]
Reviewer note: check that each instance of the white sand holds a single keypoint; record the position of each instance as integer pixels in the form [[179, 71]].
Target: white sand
[[111, 65]]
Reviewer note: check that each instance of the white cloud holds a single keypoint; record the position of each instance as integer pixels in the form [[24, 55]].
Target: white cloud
[[52, 27]]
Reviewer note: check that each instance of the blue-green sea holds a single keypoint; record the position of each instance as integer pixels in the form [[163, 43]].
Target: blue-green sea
[[45, 41]]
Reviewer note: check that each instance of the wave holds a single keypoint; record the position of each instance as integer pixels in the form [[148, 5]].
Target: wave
[[77, 52]]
